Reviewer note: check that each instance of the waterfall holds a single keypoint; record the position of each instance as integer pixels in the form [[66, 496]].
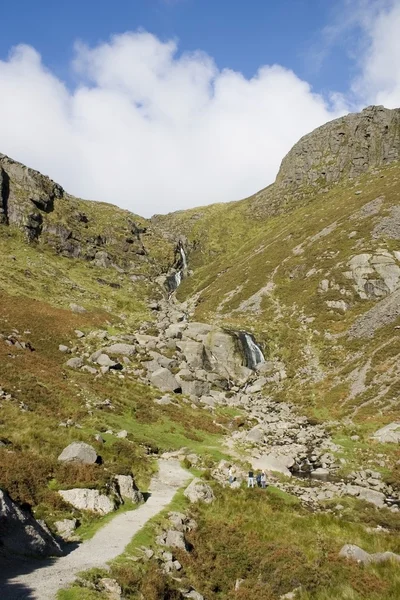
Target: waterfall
[[252, 352], [183, 256], [173, 281]]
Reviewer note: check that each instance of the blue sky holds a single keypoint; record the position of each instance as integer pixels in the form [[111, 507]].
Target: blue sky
[[159, 105], [239, 35]]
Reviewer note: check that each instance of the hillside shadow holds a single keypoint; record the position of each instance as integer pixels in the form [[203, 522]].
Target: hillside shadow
[[12, 567]]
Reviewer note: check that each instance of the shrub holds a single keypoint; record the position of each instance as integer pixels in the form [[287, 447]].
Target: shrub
[[25, 475]]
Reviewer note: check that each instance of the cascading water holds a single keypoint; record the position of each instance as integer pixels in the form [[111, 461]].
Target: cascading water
[[174, 280], [183, 256], [252, 352]]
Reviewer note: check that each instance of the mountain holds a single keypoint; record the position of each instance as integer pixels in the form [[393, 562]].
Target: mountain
[[262, 333]]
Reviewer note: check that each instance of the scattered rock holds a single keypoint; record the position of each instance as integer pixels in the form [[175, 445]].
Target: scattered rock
[[388, 434], [79, 452], [66, 528], [85, 499], [127, 488], [75, 363], [198, 491]]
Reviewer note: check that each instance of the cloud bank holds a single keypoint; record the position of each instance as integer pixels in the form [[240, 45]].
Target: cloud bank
[[153, 131]]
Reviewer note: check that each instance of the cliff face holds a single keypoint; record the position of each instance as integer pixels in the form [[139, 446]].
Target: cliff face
[[101, 233], [344, 147]]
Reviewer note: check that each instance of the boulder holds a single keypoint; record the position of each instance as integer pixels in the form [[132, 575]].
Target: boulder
[[111, 587], [388, 434], [76, 308], [75, 363], [105, 361], [79, 452], [175, 539], [64, 349], [66, 528], [274, 462], [255, 435], [120, 349], [373, 497], [198, 491], [165, 380], [320, 473], [127, 488], [21, 533], [195, 388], [85, 499]]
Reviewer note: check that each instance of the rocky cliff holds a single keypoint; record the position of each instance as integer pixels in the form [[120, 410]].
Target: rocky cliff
[[345, 147]]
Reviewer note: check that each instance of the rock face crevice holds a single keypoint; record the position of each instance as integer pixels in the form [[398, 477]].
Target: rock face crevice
[[4, 194], [347, 146]]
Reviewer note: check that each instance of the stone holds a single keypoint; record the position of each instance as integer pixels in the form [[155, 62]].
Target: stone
[[123, 434], [79, 334], [127, 488], [165, 380], [112, 588], [198, 491], [193, 595], [195, 388], [75, 363], [388, 434], [66, 528], [353, 552], [163, 401], [320, 473], [120, 349], [89, 369], [79, 452], [274, 462], [255, 435], [105, 361], [22, 534], [373, 497], [64, 349], [76, 308], [176, 539], [86, 499]]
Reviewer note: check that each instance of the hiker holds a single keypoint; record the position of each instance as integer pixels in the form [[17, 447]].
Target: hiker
[[263, 480], [230, 475], [251, 481], [258, 479]]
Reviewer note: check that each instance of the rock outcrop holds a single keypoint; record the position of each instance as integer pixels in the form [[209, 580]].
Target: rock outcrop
[[22, 534], [85, 499], [347, 146]]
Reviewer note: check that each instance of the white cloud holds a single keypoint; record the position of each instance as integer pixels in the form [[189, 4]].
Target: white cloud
[[150, 130], [379, 82], [154, 131]]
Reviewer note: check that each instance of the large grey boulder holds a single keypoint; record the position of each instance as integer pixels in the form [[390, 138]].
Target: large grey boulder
[[127, 489], [165, 380], [198, 491], [195, 388], [176, 539], [120, 349], [21, 533], [274, 462], [388, 434], [255, 435], [85, 499], [373, 497], [79, 452]]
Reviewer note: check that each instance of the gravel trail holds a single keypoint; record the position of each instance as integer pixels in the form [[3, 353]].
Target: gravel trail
[[41, 580]]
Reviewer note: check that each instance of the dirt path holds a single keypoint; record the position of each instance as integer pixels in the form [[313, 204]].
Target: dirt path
[[42, 581]]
